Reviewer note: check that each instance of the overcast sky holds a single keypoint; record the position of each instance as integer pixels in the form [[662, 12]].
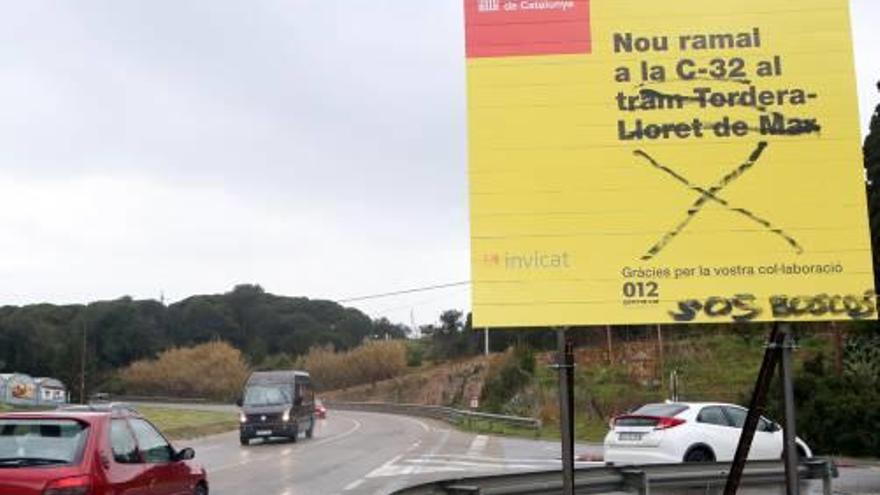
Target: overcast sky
[[179, 147]]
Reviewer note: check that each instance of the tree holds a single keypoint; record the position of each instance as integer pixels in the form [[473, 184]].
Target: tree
[[871, 151], [452, 338], [450, 322], [46, 339]]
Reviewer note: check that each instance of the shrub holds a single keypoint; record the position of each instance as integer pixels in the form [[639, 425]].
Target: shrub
[[508, 374], [373, 361], [215, 370], [835, 414], [415, 353]]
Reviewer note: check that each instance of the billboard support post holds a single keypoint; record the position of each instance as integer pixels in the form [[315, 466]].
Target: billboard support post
[[789, 452], [779, 348], [565, 366]]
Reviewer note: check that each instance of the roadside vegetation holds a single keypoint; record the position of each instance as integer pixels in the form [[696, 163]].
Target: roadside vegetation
[[181, 424], [47, 339], [371, 362], [215, 371]]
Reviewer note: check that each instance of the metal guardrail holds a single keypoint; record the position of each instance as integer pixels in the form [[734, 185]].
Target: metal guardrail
[[448, 414], [105, 397], [661, 479]]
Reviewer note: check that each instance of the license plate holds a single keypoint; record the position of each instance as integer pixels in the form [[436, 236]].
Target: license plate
[[264, 433], [630, 436]]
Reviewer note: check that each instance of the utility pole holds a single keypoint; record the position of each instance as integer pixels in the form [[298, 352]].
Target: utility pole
[[82, 363], [412, 322]]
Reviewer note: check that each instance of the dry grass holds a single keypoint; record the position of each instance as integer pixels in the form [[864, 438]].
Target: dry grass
[[371, 362], [215, 371]]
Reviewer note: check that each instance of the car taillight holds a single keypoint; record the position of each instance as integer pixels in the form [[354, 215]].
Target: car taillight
[[75, 485], [666, 423]]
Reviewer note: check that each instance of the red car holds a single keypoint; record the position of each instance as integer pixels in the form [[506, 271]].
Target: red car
[[320, 410], [92, 450]]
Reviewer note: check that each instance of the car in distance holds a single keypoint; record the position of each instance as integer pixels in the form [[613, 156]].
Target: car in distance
[[320, 409], [277, 404], [690, 432], [92, 450]]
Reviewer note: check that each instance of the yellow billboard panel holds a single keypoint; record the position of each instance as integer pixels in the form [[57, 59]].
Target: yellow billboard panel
[[642, 162]]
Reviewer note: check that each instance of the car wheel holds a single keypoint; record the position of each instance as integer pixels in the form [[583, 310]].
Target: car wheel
[[295, 435], [201, 489], [699, 454], [244, 441], [311, 430]]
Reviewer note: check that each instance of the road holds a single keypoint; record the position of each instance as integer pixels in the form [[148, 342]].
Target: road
[[365, 453], [372, 454]]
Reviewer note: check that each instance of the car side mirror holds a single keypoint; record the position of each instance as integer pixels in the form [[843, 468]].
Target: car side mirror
[[239, 402], [185, 454]]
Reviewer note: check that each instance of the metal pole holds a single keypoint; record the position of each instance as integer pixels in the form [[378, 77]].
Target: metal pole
[[486, 339], [789, 432], [756, 409], [565, 363], [82, 365]]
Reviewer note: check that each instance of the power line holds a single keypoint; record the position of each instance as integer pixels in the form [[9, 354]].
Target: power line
[[405, 291]]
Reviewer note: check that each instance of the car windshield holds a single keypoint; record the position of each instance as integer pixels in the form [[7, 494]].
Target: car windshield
[[266, 395], [40, 441]]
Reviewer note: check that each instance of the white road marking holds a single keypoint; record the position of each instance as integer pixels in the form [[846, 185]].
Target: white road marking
[[249, 457], [504, 459], [420, 423], [354, 484], [478, 446], [400, 466]]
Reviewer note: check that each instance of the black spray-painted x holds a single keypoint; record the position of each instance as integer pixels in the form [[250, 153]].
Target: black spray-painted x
[[707, 195]]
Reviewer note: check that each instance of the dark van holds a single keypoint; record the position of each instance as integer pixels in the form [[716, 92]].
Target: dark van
[[277, 404]]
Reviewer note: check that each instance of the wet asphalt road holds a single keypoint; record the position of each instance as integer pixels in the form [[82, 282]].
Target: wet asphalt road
[[368, 453], [365, 453]]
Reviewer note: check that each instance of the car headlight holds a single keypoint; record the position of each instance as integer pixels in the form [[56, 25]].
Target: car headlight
[[242, 418], [286, 416]]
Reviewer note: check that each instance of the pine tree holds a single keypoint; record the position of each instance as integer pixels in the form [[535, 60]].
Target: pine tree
[[871, 151]]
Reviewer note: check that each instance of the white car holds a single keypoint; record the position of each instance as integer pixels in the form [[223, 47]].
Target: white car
[[689, 432]]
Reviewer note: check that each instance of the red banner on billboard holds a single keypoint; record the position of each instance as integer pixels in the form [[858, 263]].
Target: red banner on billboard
[[504, 28]]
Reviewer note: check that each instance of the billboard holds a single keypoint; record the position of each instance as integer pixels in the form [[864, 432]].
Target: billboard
[[634, 161]]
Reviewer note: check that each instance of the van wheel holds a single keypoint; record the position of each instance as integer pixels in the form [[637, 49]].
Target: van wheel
[[699, 454]]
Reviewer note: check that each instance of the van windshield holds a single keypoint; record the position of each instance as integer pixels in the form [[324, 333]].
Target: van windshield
[[266, 395]]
